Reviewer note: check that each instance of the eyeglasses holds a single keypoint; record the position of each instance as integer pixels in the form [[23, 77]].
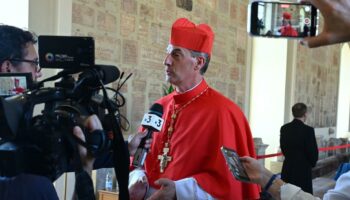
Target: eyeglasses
[[34, 63]]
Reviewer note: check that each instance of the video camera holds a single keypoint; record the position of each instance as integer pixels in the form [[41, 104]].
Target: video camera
[[44, 144]]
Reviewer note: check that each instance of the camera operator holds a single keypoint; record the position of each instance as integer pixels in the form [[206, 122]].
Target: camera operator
[[41, 188], [17, 52]]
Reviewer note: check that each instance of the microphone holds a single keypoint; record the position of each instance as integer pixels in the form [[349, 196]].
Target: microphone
[[152, 121], [106, 73]]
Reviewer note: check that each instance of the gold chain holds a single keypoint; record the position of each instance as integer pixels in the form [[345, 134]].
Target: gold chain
[[175, 112], [164, 158]]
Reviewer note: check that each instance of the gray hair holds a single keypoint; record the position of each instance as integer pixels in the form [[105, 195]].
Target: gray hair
[[206, 57]]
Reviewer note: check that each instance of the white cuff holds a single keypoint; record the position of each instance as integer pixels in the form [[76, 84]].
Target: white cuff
[[292, 192], [189, 189], [136, 175]]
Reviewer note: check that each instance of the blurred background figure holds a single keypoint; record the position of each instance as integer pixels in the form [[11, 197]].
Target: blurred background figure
[[287, 29]]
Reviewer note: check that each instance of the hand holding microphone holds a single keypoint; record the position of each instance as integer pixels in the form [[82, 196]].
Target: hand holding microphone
[[152, 121]]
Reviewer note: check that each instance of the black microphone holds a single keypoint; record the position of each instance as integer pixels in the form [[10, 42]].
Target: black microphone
[[92, 76], [152, 121]]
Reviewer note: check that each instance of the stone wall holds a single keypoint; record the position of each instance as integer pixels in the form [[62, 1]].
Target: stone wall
[[316, 83], [133, 34]]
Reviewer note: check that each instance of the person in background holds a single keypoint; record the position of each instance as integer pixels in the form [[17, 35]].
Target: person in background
[[17, 89], [24, 186], [299, 147], [185, 160], [306, 30], [287, 29]]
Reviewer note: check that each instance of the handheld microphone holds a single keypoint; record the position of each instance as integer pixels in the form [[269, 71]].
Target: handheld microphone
[[152, 121]]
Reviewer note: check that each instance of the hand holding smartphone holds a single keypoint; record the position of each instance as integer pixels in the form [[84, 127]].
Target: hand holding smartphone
[[282, 19], [235, 165]]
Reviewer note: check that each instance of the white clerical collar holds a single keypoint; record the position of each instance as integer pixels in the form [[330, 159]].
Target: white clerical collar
[[191, 88]]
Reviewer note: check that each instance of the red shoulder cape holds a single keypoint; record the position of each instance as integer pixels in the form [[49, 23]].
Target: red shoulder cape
[[201, 128]]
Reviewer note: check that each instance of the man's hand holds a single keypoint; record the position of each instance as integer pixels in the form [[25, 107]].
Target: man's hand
[[135, 140], [167, 190], [256, 172], [336, 28], [138, 190], [92, 123]]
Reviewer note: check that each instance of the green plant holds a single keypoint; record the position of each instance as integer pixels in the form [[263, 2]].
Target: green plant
[[167, 89]]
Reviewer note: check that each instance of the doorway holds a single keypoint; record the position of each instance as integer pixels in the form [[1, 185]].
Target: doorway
[[343, 115], [268, 88]]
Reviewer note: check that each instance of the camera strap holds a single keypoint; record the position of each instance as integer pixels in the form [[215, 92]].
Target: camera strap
[[84, 188], [121, 159]]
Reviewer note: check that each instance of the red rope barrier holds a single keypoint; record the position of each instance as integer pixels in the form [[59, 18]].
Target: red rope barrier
[[268, 155], [333, 148], [319, 149]]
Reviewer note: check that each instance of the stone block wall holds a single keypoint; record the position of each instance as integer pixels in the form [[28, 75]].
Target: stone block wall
[[316, 83], [134, 34]]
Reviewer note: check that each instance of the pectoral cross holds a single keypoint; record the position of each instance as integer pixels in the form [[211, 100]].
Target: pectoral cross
[[164, 158]]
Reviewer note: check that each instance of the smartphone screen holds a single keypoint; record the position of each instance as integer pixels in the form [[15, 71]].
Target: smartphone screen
[[277, 19], [235, 165], [14, 83]]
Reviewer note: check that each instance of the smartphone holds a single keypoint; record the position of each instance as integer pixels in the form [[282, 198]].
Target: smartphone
[[15, 83], [234, 164], [282, 19]]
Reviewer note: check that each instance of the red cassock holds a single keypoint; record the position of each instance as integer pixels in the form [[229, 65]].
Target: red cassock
[[18, 90], [288, 31], [200, 129]]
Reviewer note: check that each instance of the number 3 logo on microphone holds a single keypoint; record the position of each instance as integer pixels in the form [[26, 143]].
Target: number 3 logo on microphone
[[153, 121]]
